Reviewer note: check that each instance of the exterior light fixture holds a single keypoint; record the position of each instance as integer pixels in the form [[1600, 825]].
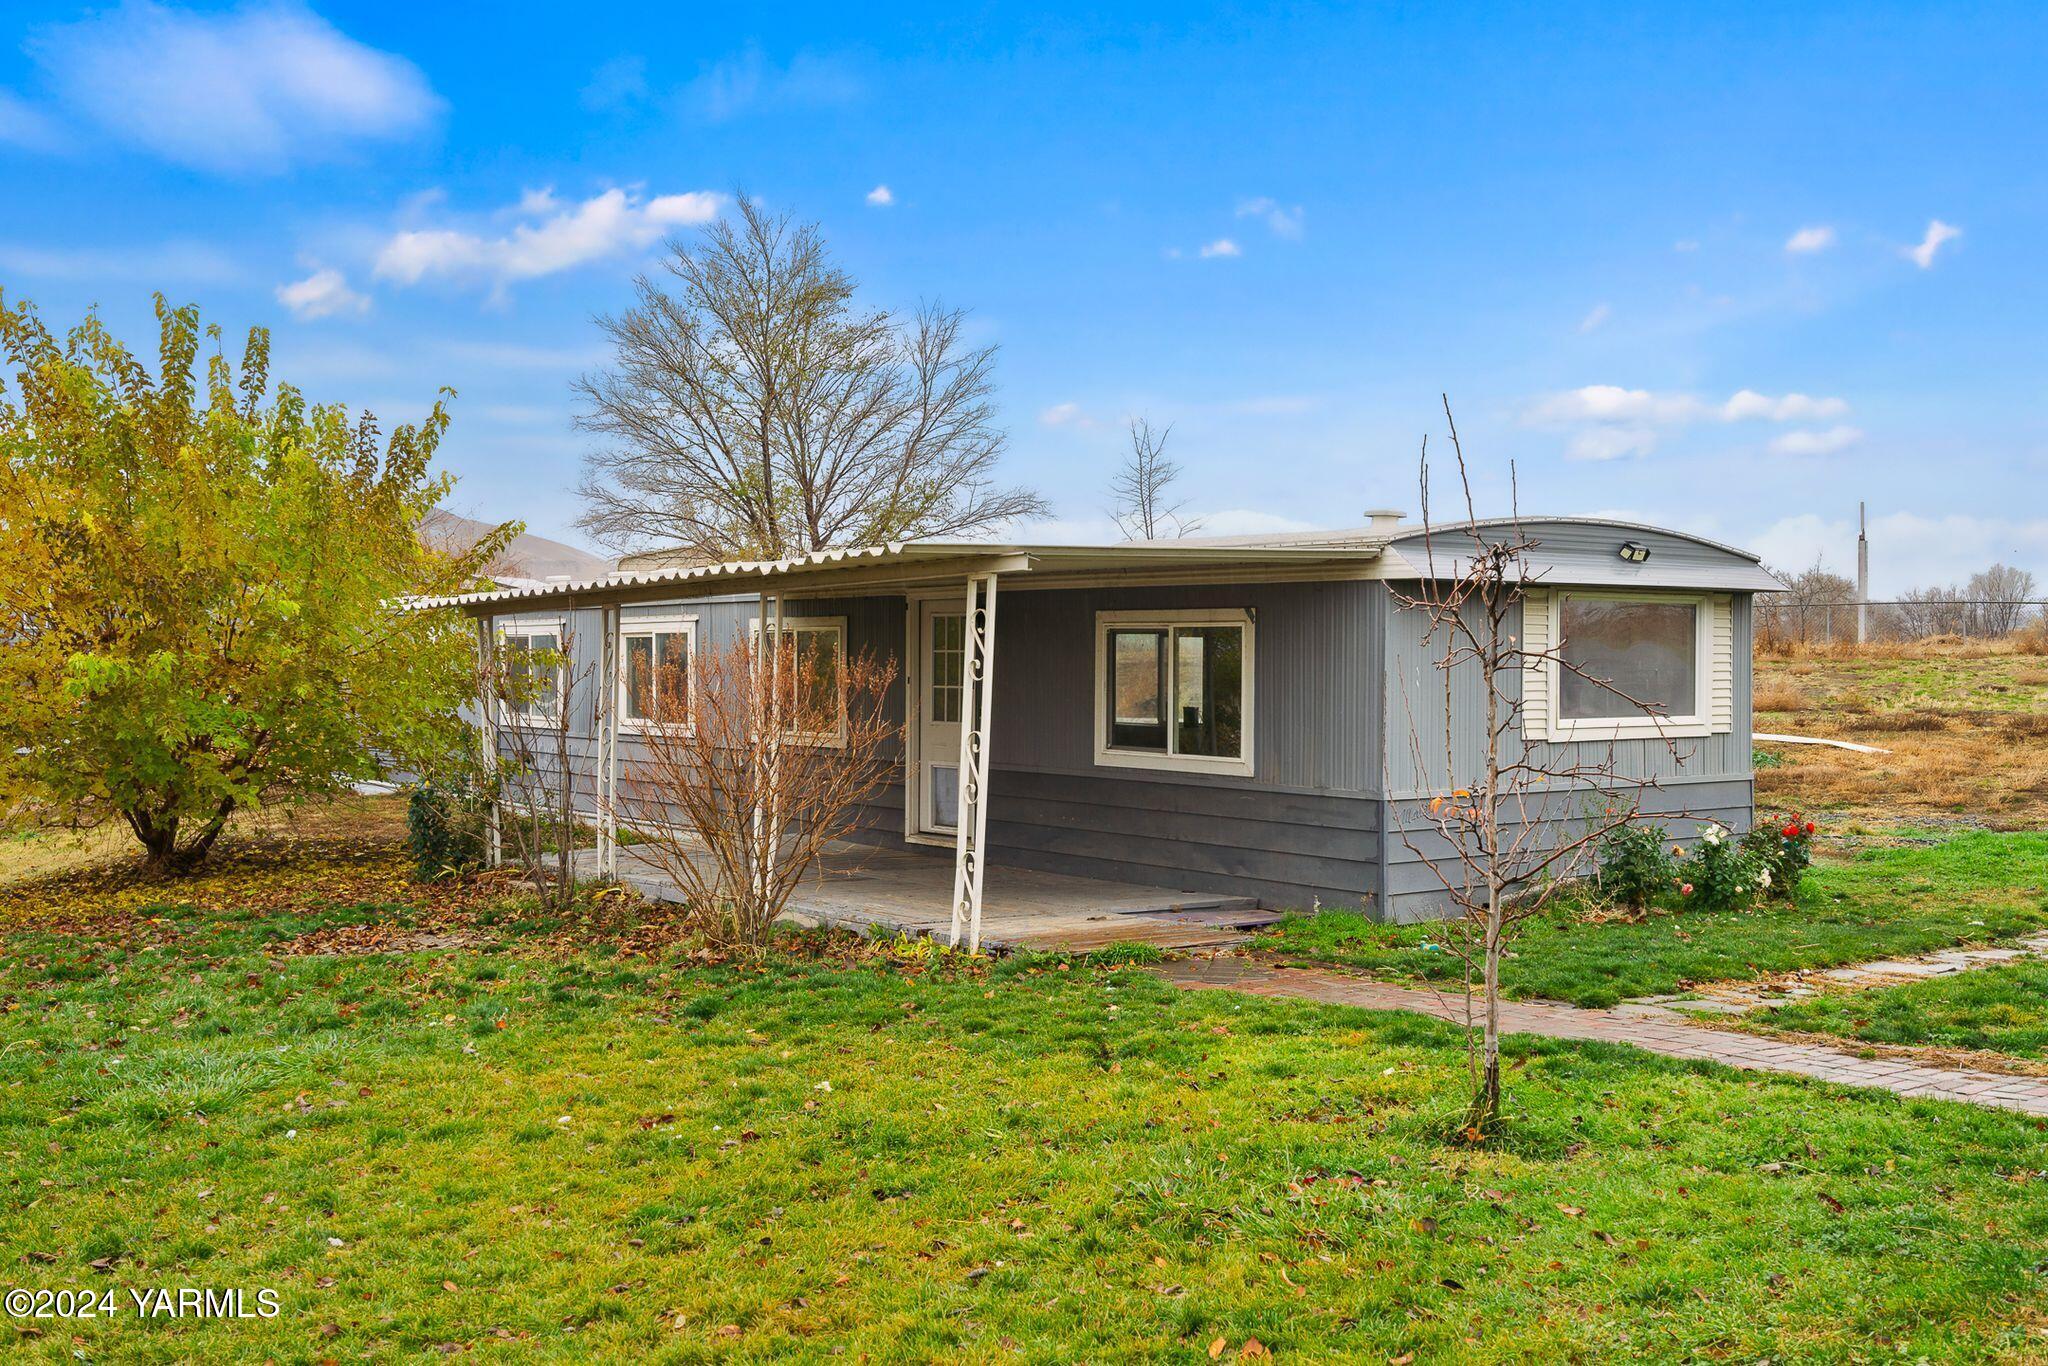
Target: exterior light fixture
[[1633, 552]]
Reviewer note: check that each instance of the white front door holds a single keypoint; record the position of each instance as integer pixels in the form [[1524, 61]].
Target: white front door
[[942, 694]]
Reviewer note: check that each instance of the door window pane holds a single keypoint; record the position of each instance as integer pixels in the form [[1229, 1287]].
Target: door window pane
[[1209, 691], [949, 668], [1646, 651], [1137, 691], [945, 787]]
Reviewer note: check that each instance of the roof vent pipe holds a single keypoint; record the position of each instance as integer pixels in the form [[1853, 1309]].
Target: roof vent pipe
[[1384, 519]]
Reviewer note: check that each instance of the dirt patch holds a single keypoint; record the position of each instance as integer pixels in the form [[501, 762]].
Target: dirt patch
[[347, 940]]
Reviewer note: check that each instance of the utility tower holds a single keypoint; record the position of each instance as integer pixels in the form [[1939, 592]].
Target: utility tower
[[1862, 575]]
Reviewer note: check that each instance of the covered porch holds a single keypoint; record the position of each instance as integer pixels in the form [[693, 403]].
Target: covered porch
[[934, 606], [911, 892]]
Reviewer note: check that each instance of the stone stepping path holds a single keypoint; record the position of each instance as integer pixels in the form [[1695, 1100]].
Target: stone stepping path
[[1651, 1027], [1740, 998]]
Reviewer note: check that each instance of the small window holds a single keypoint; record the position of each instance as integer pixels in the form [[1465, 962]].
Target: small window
[[816, 660], [1174, 690], [534, 670], [1628, 659], [657, 670]]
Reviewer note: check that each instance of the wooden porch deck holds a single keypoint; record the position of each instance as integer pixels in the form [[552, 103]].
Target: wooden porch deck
[[911, 891]]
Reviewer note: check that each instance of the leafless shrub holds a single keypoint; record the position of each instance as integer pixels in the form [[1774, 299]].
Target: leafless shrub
[[751, 769]]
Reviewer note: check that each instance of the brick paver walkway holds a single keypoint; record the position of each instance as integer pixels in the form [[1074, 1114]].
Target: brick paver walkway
[[1646, 1027]]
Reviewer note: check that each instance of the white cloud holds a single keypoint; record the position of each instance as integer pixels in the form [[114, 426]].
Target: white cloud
[[1065, 415], [1807, 241], [1284, 220], [323, 294], [747, 81], [560, 237], [1222, 246], [1595, 316], [1907, 549], [1610, 443], [1938, 232], [1810, 441], [881, 197], [1611, 403], [255, 89], [1686, 244], [532, 203], [1748, 405], [1608, 422]]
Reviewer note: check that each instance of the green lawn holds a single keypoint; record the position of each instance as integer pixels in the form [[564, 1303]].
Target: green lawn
[[1881, 903], [2001, 1009], [595, 1157]]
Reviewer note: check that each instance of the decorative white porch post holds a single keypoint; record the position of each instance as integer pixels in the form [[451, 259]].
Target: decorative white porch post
[[971, 820], [487, 741], [608, 744]]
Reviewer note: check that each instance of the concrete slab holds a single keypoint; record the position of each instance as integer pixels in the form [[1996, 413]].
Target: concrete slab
[[911, 892]]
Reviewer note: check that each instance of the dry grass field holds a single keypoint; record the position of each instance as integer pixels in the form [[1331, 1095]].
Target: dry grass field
[[1965, 724]]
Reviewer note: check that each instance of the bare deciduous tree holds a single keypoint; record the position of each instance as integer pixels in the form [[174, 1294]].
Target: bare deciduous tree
[[754, 411], [2001, 593], [747, 777], [533, 689], [1816, 602], [1141, 493], [1505, 833]]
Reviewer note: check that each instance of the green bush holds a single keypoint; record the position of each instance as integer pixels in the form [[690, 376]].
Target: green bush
[[1721, 874], [1636, 866], [1782, 846], [444, 829]]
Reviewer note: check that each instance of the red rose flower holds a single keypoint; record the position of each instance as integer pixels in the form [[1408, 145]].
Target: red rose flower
[[1809, 827]]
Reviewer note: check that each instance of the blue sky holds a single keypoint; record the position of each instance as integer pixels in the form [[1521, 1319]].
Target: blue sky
[[1728, 269]]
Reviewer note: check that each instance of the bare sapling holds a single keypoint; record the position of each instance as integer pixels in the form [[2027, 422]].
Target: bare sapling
[[1509, 822], [532, 681], [753, 764]]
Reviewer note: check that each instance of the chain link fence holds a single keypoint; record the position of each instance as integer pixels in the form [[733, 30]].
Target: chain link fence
[[1781, 622]]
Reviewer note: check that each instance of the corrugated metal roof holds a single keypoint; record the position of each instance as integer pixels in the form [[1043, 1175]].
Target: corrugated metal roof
[[1353, 546], [741, 572]]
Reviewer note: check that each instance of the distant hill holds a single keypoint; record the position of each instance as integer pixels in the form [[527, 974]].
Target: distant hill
[[528, 557]]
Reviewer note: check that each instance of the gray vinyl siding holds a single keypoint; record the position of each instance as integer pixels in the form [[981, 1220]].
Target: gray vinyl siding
[[1416, 891], [1421, 761], [1317, 650]]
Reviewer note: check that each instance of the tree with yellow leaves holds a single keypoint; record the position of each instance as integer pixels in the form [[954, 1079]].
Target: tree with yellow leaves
[[199, 583]]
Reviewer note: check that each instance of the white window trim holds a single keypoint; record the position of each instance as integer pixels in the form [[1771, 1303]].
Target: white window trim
[[1107, 757], [825, 739], [685, 626], [1638, 727], [526, 630]]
